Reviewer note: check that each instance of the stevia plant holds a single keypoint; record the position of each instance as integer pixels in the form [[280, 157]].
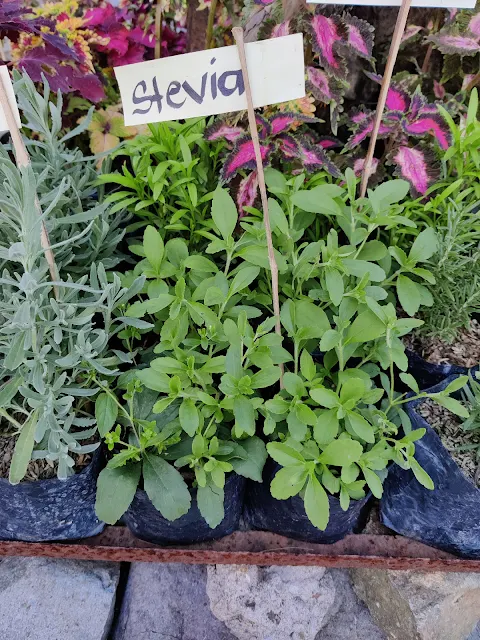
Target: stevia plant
[[212, 367], [167, 177], [54, 336]]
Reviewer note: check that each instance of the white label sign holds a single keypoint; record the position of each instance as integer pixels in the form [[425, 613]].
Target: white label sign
[[210, 82], [7, 85], [440, 4]]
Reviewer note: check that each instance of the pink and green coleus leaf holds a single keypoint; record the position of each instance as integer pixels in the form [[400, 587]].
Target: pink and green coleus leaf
[[359, 36], [429, 124], [474, 25], [313, 157], [327, 33], [323, 87], [365, 128], [462, 45], [410, 32], [242, 156], [247, 192], [221, 129], [417, 166], [282, 29], [264, 127], [282, 122], [359, 163]]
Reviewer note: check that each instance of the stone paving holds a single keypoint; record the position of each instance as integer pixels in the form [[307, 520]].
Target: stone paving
[[44, 599]]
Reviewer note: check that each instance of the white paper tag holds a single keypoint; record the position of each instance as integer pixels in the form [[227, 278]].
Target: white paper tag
[[210, 82], [7, 84], [440, 4]]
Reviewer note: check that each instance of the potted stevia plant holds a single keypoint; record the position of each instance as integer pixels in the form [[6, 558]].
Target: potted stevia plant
[[178, 463], [54, 342], [446, 517], [448, 341]]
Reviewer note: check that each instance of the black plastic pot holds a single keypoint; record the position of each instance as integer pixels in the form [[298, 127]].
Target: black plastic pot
[[447, 517], [52, 509], [288, 517], [145, 522], [428, 374]]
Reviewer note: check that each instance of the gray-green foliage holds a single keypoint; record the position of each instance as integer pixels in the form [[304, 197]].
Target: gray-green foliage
[[52, 351], [66, 181]]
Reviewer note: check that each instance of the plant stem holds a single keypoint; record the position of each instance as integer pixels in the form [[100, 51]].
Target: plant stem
[[211, 20], [474, 81], [8, 417], [158, 30]]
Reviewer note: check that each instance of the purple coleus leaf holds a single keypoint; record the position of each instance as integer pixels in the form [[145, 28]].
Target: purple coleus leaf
[[242, 156], [326, 34], [415, 165], [365, 128], [456, 44], [429, 124], [397, 100], [220, 129], [288, 146], [410, 32], [359, 36], [359, 163], [323, 88], [264, 126], [329, 142], [247, 192], [474, 25], [282, 29], [313, 157], [281, 122], [439, 90]]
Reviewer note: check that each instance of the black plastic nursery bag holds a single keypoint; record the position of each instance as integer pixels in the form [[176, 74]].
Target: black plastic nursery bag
[[447, 517], [145, 522], [428, 374]]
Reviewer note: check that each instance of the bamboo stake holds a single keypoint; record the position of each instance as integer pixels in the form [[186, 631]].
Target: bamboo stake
[[239, 40], [158, 29], [382, 98], [23, 160]]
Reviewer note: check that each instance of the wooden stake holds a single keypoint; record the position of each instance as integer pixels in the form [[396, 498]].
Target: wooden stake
[[382, 98], [158, 29], [238, 35], [211, 21], [23, 160]]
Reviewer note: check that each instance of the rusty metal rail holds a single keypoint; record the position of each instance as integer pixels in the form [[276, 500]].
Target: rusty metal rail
[[253, 547]]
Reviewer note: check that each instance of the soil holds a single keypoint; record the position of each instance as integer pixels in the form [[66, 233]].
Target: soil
[[449, 428], [37, 469], [464, 352]]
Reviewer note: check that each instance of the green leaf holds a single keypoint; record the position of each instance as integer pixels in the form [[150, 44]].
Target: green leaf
[[115, 491], [9, 390], [201, 264], [316, 200], [224, 212], [154, 380], [342, 452], [307, 366], [425, 246], [277, 217], [410, 381], [288, 482], [316, 503], [23, 449], [165, 487], [296, 427], [326, 427], [388, 193], [154, 247], [243, 278], [106, 413], [453, 386], [334, 284], [293, 384], [360, 268], [139, 309], [361, 427], [16, 352], [373, 250], [374, 482], [265, 377], [312, 318], [330, 340], [244, 413], [366, 327], [283, 454], [325, 397], [210, 499], [421, 475], [189, 418], [451, 404], [408, 295], [252, 466]]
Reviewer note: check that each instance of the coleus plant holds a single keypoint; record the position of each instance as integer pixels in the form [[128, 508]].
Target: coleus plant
[[280, 144], [405, 117], [332, 41]]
